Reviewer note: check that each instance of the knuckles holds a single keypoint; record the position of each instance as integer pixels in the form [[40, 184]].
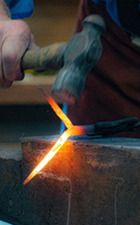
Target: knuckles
[[9, 59], [10, 56], [14, 27]]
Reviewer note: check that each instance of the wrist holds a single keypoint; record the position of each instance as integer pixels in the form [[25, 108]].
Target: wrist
[[4, 11]]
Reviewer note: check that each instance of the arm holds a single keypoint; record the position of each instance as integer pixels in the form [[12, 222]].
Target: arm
[[4, 11], [15, 39]]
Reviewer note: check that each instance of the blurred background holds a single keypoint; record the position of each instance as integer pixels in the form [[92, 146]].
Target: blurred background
[[23, 109], [53, 20]]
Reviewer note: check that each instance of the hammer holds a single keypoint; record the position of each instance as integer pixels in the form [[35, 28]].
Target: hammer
[[75, 58]]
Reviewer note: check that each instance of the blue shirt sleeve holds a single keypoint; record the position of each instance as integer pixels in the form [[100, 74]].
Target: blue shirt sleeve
[[111, 7], [20, 8]]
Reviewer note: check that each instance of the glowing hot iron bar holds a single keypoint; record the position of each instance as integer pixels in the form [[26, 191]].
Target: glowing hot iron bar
[[71, 131]]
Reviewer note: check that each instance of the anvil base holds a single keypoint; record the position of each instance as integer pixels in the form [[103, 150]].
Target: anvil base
[[89, 181]]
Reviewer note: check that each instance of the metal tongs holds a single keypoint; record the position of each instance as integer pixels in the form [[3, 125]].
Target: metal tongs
[[108, 128]]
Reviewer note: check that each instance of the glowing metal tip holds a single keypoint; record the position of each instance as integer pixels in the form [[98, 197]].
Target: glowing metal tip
[[71, 131], [57, 109]]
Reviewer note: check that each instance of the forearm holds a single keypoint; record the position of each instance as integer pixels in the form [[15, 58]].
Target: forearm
[[4, 11]]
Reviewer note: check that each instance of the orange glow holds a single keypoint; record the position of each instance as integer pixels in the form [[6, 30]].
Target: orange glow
[[75, 130], [57, 109], [71, 131]]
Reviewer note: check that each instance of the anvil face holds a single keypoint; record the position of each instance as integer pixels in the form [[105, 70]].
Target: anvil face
[[88, 181]]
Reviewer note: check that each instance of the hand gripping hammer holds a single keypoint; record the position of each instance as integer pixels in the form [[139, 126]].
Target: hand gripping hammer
[[75, 58]]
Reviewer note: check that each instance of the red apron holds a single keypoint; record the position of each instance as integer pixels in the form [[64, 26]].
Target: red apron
[[112, 89]]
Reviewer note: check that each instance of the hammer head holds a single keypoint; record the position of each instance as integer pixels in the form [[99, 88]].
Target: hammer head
[[81, 55]]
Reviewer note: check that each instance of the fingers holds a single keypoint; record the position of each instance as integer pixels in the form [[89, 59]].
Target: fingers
[[3, 82], [15, 39], [12, 51]]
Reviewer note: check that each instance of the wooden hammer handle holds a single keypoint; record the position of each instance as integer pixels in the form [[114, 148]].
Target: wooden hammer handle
[[49, 57]]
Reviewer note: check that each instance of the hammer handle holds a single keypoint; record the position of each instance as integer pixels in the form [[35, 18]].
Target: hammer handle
[[49, 57]]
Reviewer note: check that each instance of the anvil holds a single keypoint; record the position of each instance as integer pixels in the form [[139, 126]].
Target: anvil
[[90, 181]]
